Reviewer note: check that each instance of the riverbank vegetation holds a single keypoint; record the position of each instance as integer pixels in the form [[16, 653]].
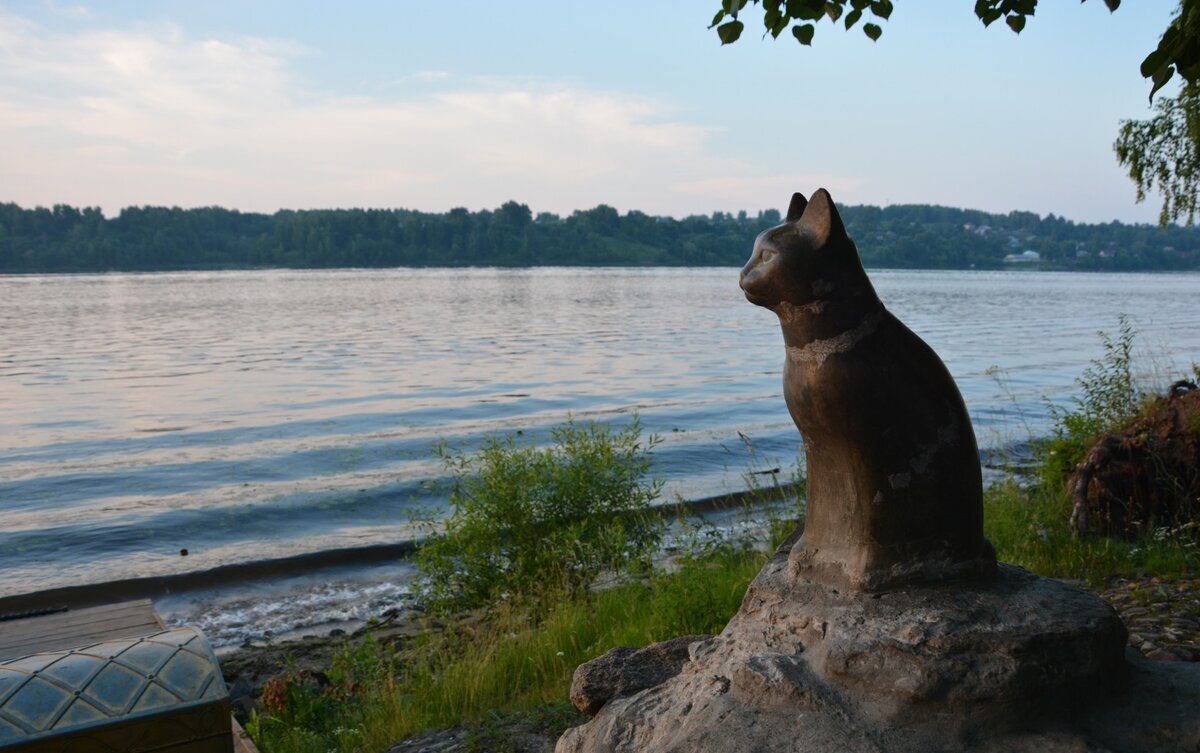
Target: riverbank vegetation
[[504, 669], [513, 660], [70, 239], [530, 524], [1031, 519]]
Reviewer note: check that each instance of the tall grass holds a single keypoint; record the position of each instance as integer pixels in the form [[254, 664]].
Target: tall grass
[[513, 661], [1028, 526], [1028, 522]]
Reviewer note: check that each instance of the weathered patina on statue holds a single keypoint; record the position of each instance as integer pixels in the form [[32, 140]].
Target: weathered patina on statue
[[894, 485]]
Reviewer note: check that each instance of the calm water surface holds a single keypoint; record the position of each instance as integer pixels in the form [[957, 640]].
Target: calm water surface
[[256, 415]]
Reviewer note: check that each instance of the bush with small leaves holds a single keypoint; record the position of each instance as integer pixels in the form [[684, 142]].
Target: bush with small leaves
[[534, 523]]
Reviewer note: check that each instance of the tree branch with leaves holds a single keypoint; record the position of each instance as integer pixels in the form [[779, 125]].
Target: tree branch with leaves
[[1162, 153]]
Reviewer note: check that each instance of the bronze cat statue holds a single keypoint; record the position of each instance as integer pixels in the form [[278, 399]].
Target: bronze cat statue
[[894, 484]]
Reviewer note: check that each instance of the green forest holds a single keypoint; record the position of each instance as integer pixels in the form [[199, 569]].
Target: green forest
[[67, 239]]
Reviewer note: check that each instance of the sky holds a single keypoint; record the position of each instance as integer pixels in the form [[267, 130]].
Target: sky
[[259, 105]]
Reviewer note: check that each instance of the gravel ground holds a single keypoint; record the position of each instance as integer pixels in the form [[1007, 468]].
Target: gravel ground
[[1162, 614]]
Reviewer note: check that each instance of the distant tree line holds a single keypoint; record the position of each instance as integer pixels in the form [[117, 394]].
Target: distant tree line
[[67, 239]]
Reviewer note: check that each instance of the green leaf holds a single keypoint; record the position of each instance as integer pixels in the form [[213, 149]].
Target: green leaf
[[1016, 23], [1161, 77], [729, 32], [1153, 62], [810, 12], [717, 18], [833, 10], [990, 17], [852, 17], [873, 31], [1112, 5], [733, 6], [882, 8], [804, 34]]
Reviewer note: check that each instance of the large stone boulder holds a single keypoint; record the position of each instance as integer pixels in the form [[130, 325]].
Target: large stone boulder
[[625, 671], [1018, 663]]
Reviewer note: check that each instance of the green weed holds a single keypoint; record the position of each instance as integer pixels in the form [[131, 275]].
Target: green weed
[[530, 523], [1109, 398], [512, 663]]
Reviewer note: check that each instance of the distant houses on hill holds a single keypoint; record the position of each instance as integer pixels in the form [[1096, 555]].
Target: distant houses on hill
[[1028, 256]]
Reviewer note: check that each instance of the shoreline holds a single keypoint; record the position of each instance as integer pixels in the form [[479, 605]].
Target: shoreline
[[313, 563]]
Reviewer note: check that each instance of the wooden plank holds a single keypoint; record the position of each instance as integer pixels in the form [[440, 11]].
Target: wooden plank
[[60, 623], [35, 645], [65, 628], [121, 606], [77, 627], [241, 741], [68, 623]]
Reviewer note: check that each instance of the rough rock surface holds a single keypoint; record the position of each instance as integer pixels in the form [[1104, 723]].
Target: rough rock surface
[[1021, 663], [1162, 614], [624, 671]]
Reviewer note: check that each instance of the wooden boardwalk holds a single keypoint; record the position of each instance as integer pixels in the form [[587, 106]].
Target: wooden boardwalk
[[73, 628]]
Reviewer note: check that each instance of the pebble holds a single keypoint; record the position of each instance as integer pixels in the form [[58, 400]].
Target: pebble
[[1162, 614]]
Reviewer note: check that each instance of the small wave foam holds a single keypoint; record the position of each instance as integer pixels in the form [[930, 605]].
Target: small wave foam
[[268, 610]]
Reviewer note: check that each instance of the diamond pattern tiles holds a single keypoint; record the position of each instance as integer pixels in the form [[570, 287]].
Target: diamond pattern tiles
[[53, 692]]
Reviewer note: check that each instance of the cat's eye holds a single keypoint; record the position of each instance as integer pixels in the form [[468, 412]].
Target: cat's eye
[[767, 255]]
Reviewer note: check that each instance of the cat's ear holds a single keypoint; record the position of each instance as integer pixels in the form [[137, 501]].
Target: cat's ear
[[796, 208], [821, 219]]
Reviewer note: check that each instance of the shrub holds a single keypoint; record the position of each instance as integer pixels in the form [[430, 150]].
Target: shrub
[[1109, 399], [531, 522]]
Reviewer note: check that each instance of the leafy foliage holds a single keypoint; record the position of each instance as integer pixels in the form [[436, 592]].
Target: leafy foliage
[[1109, 398], [505, 667], [307, 711], [1177, 50], [1164, 150], [917, 236], [531, 523], [1164, 153]]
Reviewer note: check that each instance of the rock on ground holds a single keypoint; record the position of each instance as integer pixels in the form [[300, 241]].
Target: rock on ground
[[624, 671], [1019, 664]]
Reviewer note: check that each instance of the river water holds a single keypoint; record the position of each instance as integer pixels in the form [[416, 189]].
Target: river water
[[256, 415]]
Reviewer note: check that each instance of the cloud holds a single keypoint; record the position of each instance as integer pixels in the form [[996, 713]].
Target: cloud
[[150, 114], [67, 11], [728, 188]]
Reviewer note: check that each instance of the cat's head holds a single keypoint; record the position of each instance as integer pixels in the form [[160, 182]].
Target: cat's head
[[806, 259]]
